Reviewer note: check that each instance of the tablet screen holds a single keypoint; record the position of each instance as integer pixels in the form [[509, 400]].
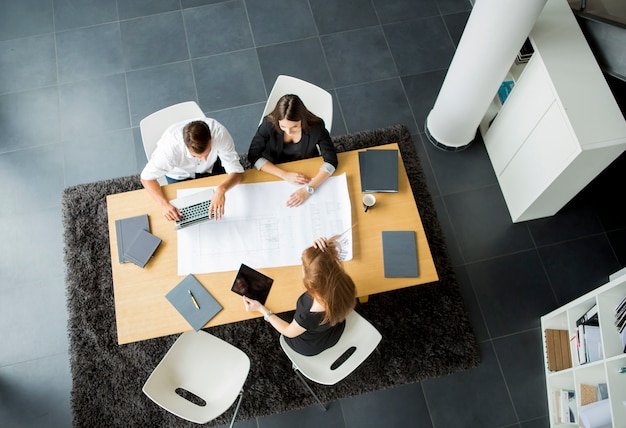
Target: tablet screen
[[252, 284]]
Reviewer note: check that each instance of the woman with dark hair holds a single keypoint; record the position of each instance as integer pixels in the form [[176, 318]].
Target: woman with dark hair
[[322, 309], [291, 132]]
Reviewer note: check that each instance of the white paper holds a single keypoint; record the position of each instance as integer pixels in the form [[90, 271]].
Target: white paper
[[258, 229]]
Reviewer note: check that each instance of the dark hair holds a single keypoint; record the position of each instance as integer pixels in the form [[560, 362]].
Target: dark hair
[[197, 136], [292, 108], [327, 281]]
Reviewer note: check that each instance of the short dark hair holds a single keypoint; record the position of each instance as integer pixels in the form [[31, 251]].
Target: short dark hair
[[197, 136], [292, 108]]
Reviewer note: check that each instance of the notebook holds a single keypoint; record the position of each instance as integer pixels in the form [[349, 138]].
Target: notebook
[[182, 298], [378, 170], [142, 248], [400, 254], [252, 284], [126, 230]]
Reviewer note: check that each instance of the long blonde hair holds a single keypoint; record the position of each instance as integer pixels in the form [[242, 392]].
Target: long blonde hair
[[326, 280]]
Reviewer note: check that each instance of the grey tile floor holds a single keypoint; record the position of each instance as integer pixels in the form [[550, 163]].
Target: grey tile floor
[[76, 77]]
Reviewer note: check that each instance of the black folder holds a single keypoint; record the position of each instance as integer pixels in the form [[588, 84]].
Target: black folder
[[400, 254], [379, 170]]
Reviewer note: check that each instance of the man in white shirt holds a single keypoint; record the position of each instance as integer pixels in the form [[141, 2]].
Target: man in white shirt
[[188, 150]]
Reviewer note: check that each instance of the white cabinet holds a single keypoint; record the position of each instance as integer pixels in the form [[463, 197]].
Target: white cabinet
[[559, 127], [604, 371]]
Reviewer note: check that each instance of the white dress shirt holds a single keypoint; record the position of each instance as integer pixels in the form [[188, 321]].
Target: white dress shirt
[[173, 158]]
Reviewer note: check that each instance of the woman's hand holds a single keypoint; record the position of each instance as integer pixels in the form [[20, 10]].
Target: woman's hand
[[252, 305], [320, 244], [298, 197], [296, 178]]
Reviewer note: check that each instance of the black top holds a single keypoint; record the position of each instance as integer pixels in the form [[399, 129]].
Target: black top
[[269, 144], [317, 337]]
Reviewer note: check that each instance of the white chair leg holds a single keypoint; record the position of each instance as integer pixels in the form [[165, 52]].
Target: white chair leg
[[319, 402], [232, 422]]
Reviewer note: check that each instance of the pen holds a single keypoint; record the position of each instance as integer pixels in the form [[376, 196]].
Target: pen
[[195, 302]]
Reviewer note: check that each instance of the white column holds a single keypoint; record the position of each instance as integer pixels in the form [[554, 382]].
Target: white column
[[493, 35]]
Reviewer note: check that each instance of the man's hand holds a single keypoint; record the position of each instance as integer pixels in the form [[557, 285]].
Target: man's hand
[[216, 209], [298, 197], [170, 212]]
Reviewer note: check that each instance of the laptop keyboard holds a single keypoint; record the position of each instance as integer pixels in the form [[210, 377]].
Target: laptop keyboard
[[193, 214]]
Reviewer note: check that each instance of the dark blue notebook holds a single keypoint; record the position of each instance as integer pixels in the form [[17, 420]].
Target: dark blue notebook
[[194, 302], [400, 254], [379, 170]]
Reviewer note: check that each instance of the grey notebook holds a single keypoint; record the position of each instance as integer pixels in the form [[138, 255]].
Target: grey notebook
[[142, 248], [189, 293], [400, 254], [379, 170], [126, 230]]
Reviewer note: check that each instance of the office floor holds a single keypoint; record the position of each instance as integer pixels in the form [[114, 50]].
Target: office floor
[[77, 77]]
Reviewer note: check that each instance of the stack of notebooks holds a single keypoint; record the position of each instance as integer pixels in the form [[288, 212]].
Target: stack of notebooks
[[135, 243], [379, 170]]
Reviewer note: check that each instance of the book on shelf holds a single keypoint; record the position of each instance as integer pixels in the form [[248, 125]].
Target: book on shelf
[[565, 408], [559, 355]]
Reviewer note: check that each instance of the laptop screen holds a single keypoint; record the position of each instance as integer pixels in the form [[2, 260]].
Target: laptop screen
[[252, 284]]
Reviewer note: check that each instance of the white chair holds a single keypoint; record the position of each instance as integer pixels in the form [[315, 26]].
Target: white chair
[[153, 126], [358, 341], [316, 100], [205, 366]]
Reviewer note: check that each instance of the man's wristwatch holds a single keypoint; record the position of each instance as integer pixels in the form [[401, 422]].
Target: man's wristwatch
[[309, 189]]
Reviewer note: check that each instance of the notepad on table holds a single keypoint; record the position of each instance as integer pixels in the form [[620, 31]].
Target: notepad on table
[[142, 248], [379, 170], [186, 295], [126, 230], [400, 254]]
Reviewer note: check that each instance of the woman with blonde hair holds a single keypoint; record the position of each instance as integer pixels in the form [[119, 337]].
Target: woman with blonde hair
[[322, 309]]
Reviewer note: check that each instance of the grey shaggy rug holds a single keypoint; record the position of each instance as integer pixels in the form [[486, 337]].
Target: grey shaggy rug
[[425, 329]]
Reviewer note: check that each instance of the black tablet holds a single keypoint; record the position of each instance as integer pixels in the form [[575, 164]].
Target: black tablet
[[252, 284]]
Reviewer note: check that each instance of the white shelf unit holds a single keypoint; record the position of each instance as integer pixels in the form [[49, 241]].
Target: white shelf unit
[[560, 125], [607, 297]]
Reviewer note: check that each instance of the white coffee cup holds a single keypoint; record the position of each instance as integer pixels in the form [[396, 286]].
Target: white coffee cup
[[369, 201]]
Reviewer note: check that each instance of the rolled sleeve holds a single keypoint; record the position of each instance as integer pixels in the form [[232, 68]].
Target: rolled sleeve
[[259, 163], [329, 168]]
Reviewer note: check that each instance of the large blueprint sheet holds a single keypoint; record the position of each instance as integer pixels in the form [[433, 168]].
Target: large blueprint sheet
[[259, 230]]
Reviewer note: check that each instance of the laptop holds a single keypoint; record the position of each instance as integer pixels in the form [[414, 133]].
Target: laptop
[[252, 284], [194, 208]]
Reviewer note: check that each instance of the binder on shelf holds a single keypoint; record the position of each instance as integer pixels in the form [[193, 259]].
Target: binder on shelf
[[126, 230], [194, 302], [378, 170], [142, 248]]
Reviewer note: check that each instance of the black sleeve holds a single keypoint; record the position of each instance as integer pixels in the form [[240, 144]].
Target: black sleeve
[[260, 141], [329, 152]]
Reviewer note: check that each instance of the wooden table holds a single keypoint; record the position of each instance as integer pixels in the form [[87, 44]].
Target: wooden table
[[142, 311]]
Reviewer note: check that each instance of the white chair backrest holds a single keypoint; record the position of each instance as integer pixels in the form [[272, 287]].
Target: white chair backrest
[[358, 333], [204, 365], [153, 126], [316, 100]]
